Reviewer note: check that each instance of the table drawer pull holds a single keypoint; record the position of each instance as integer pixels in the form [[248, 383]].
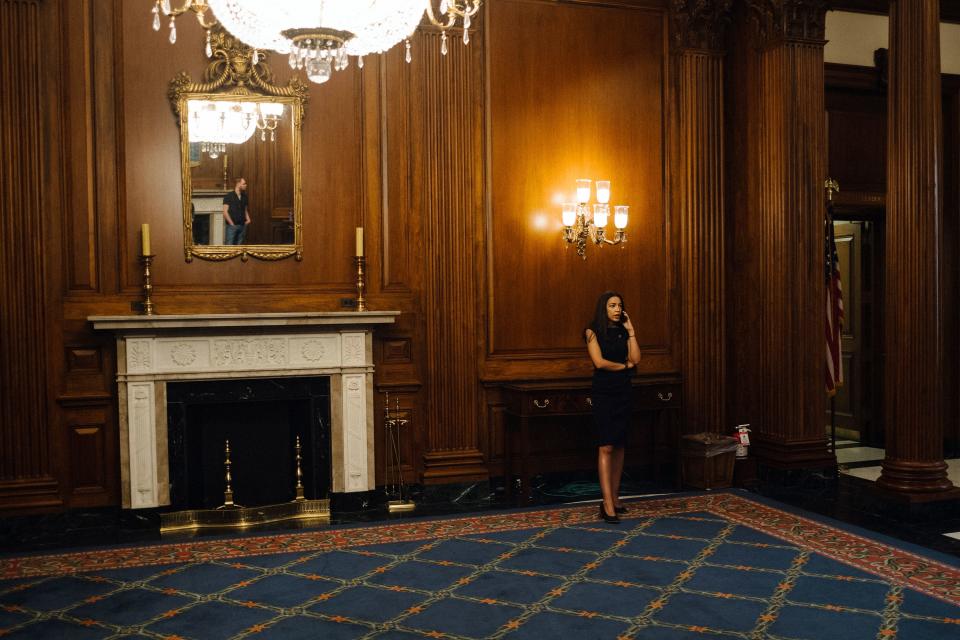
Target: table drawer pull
[[589, 401], [537, 404], [668, 398]]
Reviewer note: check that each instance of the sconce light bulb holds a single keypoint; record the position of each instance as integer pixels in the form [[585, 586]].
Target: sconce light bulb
[[620, 215], [603, 191], [583, 191], [600, 214]]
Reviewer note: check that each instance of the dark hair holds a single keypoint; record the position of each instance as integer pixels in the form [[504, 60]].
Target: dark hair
[[600, 321]]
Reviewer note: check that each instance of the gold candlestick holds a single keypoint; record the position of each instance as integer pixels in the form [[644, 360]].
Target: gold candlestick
[[147, 287], [360, 261]]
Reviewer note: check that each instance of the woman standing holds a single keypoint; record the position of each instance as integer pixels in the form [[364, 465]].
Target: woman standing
[[613, 348]]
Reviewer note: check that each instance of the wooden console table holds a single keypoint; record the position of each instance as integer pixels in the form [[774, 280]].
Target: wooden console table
[[531, 405]]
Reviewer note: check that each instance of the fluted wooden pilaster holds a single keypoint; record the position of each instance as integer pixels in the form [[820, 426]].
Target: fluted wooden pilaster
[[791, 169], [25, 450], [451, 209], [914, 462], [700, 99]]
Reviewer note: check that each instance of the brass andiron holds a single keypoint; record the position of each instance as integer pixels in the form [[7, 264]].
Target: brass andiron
[[147, 286], [233, 516], [228, 492], [395, 484], [361, 262], [299, 488]]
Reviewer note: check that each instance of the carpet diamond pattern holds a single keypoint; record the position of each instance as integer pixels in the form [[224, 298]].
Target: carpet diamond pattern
[[717, 566]]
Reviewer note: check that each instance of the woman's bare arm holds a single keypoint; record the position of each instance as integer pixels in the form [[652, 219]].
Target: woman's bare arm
[[593, 348]]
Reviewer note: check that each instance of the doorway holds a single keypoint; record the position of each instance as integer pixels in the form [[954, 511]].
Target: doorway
[[857, 408]]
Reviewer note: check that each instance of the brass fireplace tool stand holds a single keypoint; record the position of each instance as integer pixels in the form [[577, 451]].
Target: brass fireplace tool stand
[[395, 485]]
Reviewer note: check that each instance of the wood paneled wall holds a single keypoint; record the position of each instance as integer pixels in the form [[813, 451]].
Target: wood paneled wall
[[583, 96], [454, 165]]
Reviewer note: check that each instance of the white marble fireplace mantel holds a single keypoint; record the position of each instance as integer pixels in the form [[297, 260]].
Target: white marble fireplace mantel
[[153, 350]]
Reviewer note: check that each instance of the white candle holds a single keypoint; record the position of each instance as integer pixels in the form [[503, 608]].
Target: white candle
[[145, 239], [359, 242]]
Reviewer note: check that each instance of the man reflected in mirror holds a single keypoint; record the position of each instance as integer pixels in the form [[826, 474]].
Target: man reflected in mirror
[[236, 213]]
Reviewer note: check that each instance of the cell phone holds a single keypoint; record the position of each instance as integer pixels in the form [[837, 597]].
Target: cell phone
[[623, 317]]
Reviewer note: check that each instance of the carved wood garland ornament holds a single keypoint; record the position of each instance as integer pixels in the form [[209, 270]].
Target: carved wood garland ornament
[[700, 24], [796, 20]]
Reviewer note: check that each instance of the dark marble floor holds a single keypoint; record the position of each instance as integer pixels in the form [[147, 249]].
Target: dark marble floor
[[844, 498]]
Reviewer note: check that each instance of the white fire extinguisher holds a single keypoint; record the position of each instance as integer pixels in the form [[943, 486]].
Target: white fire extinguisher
[[743, 439]]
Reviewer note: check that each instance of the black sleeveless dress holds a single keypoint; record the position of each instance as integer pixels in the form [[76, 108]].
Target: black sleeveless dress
[[610, 392]]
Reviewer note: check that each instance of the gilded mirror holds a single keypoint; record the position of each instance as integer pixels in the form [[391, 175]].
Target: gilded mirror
[[240, 157]]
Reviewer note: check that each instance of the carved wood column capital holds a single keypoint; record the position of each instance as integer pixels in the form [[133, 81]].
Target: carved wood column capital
[[699, 24], [788, 20]]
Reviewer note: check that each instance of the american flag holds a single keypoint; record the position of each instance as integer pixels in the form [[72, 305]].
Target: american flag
[[834, 308]]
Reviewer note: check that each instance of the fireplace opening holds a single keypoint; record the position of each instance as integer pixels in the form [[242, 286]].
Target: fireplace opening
[[262, 419]]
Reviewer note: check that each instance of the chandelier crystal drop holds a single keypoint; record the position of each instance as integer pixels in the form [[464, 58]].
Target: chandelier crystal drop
[[320, 35], [197, 7]]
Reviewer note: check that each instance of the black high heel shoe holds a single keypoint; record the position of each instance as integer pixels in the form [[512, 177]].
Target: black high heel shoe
[[608, 519], [620, 510]]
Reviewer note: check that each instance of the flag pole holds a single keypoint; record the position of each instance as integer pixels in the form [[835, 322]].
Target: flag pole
[[832, 185], [833, 424]]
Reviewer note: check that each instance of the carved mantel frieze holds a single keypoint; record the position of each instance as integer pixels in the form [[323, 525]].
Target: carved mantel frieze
[[789, 20], [700, 24]]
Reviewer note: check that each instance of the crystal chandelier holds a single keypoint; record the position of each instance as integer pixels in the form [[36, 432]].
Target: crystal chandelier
[[216, 123], [320, 36], [579, 225]]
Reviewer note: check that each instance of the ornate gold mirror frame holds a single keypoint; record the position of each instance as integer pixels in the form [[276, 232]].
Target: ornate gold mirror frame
[[234, 75]]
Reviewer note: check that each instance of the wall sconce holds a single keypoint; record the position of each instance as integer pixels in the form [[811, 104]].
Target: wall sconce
[[579, 224]]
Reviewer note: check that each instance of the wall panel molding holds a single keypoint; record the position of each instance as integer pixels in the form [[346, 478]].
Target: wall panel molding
[[28, 466], [600, 116], [449, 119]]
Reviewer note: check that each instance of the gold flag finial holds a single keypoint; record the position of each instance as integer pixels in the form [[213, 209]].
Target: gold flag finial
[[831, 186]]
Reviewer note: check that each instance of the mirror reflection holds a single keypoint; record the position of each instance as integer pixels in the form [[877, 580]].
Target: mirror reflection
[[240, 155], [241, 172]]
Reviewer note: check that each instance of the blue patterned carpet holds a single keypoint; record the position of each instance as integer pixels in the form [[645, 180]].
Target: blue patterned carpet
[[676, 568]]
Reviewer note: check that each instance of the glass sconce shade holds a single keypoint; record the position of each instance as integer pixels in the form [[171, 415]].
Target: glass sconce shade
[[620, 213], [583, 191], [600, 214], [603, 191], [569, 214]]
